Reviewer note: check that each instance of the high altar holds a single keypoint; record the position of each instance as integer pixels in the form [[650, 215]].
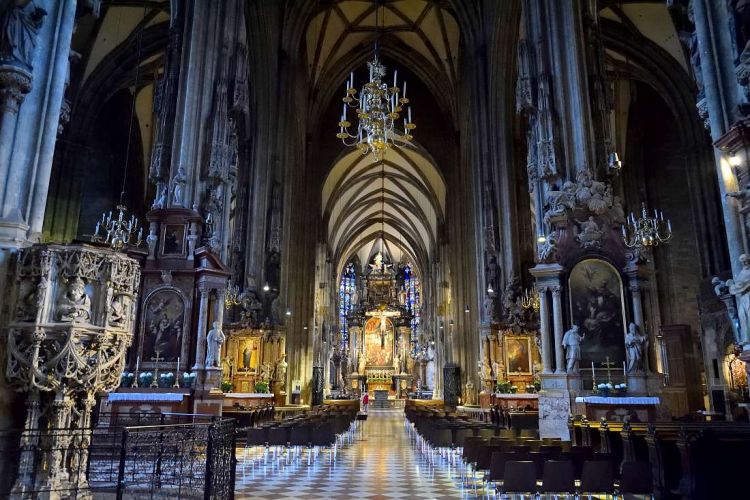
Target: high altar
[[380, 335]]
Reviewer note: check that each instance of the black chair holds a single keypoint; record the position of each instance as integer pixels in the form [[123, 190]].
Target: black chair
[[636, 478], [539, 458], [519, 477], [597, 477], [521, 448], [558, 477], [497, 465]]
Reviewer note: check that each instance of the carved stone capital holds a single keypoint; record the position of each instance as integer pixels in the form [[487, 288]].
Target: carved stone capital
[[556, 291], [15, 83]]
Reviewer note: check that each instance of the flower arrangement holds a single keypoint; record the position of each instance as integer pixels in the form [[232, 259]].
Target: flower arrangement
[[621, 389], [261, 387], [504, 386], [531, 388], [127, 379], [537, 384], [604, 388], [145, 379], [166, 380], [187, 380], [513, 389], [226, 386]]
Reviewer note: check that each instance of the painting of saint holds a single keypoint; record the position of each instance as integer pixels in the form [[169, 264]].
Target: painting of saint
[[162, 326], [379, 342], [173, 239], [248, 355], [596, 306], [518, 355]]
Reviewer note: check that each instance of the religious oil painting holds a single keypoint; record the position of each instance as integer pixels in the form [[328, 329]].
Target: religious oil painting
[[163, 326], [597, 307], [173, 239], [248, 355], [379, 342], [518, 355]]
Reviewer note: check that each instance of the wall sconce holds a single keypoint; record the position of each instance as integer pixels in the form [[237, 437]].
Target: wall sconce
[[466, 309]]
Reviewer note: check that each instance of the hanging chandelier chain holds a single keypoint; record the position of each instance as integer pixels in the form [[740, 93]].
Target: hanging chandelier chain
[[378, 109], [120, 232]]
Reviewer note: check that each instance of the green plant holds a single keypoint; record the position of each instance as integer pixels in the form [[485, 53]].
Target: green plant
[[261, 387], [226, 386], [503, 386]]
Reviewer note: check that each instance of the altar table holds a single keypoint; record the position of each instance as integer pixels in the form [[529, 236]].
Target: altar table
[[614, 408], [513, 401], [247, 398]]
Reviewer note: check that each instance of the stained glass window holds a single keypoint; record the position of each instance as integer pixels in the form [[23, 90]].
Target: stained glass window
[[413, 303], [346, 290]]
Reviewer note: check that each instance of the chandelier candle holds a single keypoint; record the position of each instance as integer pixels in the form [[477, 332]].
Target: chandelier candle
[[378, 108]]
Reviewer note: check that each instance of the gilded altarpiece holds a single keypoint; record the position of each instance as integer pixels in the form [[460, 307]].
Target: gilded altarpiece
[[254, 355]]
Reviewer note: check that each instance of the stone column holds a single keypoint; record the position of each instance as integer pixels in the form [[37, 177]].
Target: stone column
[[635, 294], [544, 329], [557, 315], [200, 349]]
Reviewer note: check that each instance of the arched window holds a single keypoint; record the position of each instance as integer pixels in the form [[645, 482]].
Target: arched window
[[346, 290], [413, 302]]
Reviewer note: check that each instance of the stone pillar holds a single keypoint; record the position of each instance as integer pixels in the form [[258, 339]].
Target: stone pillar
[[200, 348], [544, 330], [557, 315]]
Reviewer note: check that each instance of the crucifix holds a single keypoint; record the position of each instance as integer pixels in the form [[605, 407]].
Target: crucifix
[[382, 315], [156, 359], [608, 366]]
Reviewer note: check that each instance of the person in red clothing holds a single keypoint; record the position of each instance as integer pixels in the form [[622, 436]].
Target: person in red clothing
[[365, 401]]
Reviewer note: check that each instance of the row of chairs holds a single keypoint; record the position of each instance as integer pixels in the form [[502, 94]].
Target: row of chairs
[[516, 461], [287, 440], [251, 416]]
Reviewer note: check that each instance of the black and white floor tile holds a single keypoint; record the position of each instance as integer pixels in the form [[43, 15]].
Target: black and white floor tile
[[380, 463]]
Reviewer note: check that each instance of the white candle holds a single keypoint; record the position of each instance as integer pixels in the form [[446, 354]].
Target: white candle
[[593, 372], [404, 89], [351, 80], [343, 114], [137, 364], [623, 369], [178, 364], [395, 74], [410, 115]]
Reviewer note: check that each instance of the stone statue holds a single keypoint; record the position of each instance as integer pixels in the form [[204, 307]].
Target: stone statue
[[75, 304], [634, 343], [161, 196], [590, 235], [485, 372], [20, 21], [740, 288], [497, 369], [470, 394], [489, 308], [265, 371], [572, 343], [215, 339], [178, 187], [355, 297], [117, 311], [281, 367]]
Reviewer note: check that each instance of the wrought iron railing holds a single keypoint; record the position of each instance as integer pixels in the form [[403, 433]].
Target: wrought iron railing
[[134, 456]]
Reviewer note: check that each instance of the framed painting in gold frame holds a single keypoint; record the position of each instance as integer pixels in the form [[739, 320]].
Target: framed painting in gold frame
[[518, 354]]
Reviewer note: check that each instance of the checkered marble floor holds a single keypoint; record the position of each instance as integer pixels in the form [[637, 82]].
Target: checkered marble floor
[[381, 463]]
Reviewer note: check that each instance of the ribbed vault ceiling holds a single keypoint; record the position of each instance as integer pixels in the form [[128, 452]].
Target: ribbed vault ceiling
[[422, 25], [401, 198]]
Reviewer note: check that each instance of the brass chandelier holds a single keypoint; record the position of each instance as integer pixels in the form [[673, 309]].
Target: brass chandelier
[[646, 231], [378, 110]]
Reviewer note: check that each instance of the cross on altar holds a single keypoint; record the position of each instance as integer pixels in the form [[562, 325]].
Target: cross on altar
[[156, 359], [382, 315], [608, 366]]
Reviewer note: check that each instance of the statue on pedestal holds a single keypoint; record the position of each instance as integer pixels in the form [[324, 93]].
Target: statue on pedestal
[[75, 304], [634, 343], [215, 339], [740, 288], [485, 373], [572, 343], [470, 396], [281, 367]]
